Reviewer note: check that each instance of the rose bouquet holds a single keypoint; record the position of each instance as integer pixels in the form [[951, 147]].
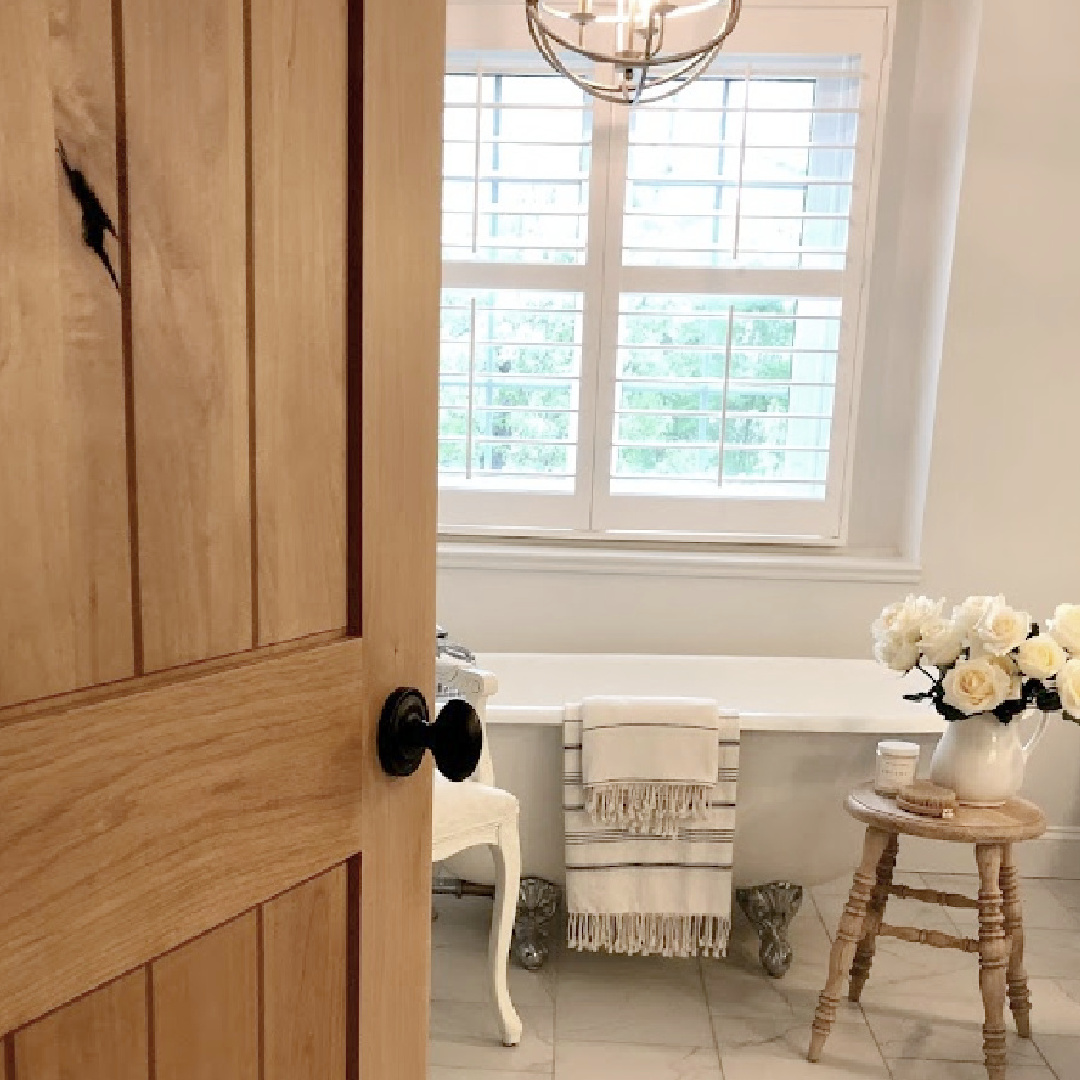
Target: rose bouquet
[[986, 657]]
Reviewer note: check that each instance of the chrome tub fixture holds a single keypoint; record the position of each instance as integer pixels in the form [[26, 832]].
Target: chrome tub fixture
[[629, 37]]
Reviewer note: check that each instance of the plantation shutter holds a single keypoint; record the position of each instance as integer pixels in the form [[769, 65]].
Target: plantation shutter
[[653, 316]]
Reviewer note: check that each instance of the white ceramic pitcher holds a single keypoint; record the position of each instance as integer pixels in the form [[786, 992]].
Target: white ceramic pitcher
[[982, 759]]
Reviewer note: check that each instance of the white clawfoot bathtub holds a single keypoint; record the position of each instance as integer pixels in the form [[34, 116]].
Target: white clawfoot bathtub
[[810, 730]]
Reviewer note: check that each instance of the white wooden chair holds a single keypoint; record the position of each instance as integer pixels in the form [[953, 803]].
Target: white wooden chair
[[476, 813]]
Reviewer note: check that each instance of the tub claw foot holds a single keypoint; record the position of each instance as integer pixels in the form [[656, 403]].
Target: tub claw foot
[[770, 909], [538, 902]]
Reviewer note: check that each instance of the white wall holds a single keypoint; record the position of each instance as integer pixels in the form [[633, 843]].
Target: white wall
[[1003, 506], [1003, 512]]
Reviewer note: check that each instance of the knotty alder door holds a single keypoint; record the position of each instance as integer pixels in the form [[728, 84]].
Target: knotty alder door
[[218, 361]]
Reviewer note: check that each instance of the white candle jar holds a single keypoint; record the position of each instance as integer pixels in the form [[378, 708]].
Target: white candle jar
[[897, 763]]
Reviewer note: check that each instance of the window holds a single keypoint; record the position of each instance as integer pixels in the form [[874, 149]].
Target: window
[[652, 317], [510, 380]]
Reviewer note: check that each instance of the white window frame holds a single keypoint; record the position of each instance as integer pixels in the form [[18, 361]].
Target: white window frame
[[592, 512]]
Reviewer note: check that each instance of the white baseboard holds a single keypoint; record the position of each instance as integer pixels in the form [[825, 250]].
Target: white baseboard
[[1056, 854]]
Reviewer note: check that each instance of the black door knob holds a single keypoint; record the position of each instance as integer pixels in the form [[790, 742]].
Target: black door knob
[[455, 739]]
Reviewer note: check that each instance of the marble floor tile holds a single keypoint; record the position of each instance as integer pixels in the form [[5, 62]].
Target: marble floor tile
[[922, 1035], [1055, 1006], [1071, 987], [1068, 892], [741, 1032], [908, 1069], [1043, 908], [747, 995], [738, 987], [461, 974], [850, 1054], [1051, 954], [598, 1017], [948, 996], [941, 1018], [651, 1014], [466, 1037], [901, 961], [590, 1061], [899, 913], [629, 969], [1062, 1054]]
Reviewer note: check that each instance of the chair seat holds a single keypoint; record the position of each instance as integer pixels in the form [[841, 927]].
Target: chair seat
[[462, 809]]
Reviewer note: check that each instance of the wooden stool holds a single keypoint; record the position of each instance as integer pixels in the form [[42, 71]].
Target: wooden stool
[[1001, 933]]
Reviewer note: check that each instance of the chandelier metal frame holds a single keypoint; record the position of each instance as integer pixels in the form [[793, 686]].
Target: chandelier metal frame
[[645, 72]]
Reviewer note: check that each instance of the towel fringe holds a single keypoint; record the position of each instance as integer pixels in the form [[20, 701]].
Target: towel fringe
[[650, 934], [647, 808]]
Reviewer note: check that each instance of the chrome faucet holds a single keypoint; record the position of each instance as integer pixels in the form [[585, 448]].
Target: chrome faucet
[[445, 647]]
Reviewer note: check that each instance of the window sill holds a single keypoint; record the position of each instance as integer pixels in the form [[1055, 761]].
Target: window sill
[[592, 558]]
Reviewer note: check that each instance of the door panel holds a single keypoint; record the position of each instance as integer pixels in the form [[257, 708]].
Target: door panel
[[263, 995], [206, 1006], [132, 825], [102, 1036], [298, 120], [66, 617], [305, 994], [185, 121], [208, 474]]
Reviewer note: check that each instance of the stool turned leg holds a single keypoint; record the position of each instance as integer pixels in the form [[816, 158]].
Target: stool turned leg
[[993, 957], [848, 936], [1019, 998], [864, 954]]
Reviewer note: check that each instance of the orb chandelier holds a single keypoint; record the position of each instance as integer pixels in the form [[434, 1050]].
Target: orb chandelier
[[629, 36]]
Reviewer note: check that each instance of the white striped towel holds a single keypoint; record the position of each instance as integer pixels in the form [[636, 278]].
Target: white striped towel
[[633, 893], [648, 764]]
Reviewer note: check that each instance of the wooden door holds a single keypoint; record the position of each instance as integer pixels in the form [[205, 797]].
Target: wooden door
[[218, 353]]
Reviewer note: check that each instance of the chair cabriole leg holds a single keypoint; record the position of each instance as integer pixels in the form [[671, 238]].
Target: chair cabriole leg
[[507, 881]]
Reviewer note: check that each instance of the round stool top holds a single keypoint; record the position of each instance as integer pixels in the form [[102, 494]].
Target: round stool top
[[1017, 820]]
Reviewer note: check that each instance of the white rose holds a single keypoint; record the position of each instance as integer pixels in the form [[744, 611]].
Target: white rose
[[906, 617], [941, 642], [1068, 687], [1065, 627], [898, 629], [1040, 657], [1001, 628], [967, 614], [976, 686], [896, 653], [1008, 665]]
